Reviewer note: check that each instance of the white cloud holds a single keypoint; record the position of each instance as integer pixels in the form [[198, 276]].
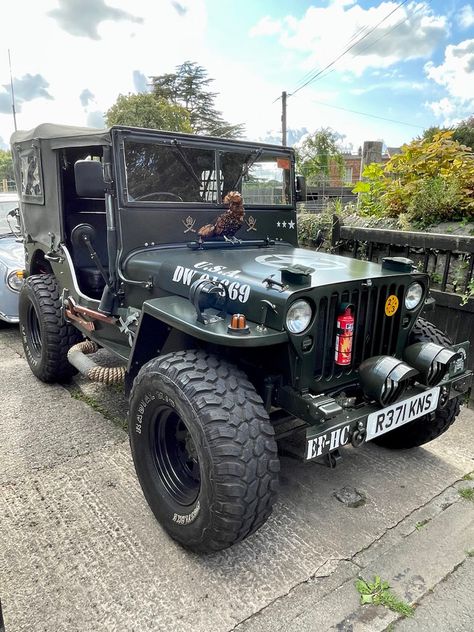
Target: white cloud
[[444, 108], [456, 75], [465, 16], [83, 17], [106, 66], [266, 26], [323, 33]]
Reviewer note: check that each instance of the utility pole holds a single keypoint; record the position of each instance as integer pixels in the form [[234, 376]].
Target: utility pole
[[11, 86], [283, 118]]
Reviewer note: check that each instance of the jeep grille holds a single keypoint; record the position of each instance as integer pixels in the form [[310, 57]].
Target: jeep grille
[[374, 332]]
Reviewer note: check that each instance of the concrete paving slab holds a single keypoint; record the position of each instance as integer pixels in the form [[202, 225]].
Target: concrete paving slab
[[82, 550], [448, 607], [79, 548], [41, 425]]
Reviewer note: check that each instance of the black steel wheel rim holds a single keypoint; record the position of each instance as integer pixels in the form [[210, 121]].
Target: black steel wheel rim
[[34, 332], [175, 456]]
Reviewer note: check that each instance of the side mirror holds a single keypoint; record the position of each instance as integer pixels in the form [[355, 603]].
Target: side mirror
[[89, 179], [300, 189]]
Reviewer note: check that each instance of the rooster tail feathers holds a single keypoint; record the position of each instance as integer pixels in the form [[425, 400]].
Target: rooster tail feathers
[[207, 230]]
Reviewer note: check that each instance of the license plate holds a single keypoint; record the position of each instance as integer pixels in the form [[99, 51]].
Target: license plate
[[401, 413]]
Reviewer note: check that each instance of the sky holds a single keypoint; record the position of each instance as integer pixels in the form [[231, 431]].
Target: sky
[[411, 62]]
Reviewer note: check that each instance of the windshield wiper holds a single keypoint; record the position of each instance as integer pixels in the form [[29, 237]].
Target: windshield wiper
[[248, 165]]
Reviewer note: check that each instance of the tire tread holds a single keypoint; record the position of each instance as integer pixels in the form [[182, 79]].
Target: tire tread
[[244, 463]]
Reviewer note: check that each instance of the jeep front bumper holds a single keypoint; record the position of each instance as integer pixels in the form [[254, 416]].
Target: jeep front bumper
[[361, 424]]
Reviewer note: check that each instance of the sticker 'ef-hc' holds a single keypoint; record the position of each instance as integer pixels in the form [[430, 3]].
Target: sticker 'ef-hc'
[[391, 305]]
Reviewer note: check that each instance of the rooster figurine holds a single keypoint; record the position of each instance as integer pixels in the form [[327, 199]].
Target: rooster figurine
[[227, 224]]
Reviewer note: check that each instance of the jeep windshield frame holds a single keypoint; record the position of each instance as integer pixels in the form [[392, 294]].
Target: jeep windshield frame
[[163, 169]]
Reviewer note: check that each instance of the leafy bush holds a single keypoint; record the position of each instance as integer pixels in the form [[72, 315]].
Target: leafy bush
[[430, 181], [435, 197]]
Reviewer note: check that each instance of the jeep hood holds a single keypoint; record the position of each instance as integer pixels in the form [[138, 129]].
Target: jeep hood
[[245, 273], [248, 265]]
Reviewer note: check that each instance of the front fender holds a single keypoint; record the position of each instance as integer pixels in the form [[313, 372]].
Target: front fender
[[161, 316]]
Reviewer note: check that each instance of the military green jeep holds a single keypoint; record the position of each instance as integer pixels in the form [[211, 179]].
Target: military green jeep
[[231, 340]]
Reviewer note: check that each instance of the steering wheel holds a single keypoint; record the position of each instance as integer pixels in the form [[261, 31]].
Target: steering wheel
[[166, 193]]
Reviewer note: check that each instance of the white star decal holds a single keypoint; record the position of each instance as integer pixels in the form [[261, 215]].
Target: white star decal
[[284, 224], [278, 224], [291, 224]]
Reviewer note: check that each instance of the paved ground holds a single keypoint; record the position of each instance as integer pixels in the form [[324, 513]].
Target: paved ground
[[79, 549]]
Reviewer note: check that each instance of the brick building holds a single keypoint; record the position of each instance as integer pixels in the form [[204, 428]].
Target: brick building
[[372, 151]]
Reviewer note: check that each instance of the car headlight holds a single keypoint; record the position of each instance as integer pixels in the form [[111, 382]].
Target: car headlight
[[15, 280], [414, 295], [298, 317]]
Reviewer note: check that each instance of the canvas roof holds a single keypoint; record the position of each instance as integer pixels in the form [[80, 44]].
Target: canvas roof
[[63, 135]]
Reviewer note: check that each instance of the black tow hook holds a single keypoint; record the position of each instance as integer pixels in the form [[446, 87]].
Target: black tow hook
[[358, 436], [332, 459]]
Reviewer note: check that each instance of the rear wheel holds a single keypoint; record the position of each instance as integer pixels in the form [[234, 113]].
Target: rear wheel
[[428, 427], [46, 335], [203, 448]]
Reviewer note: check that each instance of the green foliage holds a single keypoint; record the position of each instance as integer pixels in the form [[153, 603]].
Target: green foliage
[[467, 493], [6, 165], [468, 477], [469, 293], [464, 132], [309, 224], [419, 525], [145, 110], [188, 88], [432, 180], [430, 132], [372, 189], [378, 593], [317, 154], [435, 196]]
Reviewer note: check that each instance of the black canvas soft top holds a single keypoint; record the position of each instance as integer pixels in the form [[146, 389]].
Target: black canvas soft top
[[63, 135]]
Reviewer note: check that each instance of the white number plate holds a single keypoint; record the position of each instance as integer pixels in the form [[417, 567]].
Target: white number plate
[[387, 419]]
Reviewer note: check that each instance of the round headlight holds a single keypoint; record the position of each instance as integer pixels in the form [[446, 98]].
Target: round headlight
[[15, 280], [414, 295], [298, 317]]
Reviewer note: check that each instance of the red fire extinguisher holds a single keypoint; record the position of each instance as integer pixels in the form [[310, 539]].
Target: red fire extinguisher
[[344, 336]]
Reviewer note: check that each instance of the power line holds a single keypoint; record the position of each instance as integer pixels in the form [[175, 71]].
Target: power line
[[348, 49], [370, 44], [382, 118], [355, 34]]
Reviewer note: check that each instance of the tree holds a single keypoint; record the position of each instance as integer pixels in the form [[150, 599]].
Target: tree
[[317, 153], [145, 110], [188, 87], [464, 132], [429, 132], [6, 165]]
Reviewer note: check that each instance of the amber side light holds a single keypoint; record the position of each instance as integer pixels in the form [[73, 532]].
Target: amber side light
[[238, 324]]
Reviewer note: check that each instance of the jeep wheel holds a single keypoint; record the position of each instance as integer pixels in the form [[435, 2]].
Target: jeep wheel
[[203, 448], [46, 336], [424, 429]]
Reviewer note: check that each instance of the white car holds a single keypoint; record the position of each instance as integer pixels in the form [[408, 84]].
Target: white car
[[12, 260]]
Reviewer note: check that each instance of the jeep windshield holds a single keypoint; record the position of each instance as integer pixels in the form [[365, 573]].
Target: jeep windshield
[[176, 172]]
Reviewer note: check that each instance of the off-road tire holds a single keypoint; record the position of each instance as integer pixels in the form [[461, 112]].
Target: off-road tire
[[234, 444], [424, 429], [46, 335]]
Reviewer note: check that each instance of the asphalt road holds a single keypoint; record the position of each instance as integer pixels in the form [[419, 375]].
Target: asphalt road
[[80, 550]]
